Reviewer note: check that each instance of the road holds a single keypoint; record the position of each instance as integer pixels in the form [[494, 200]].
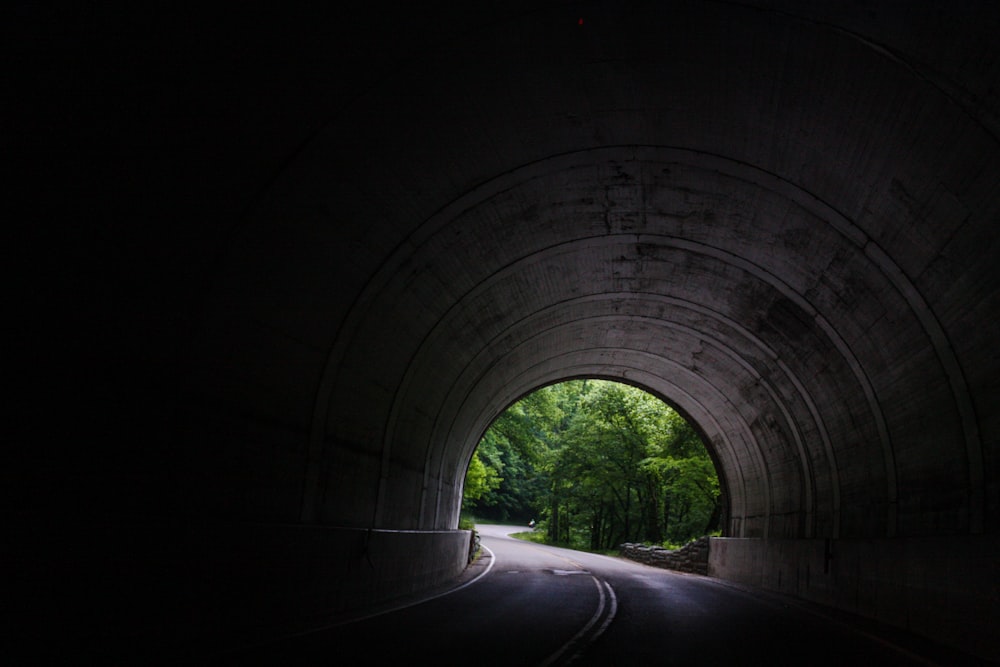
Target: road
[[527, 604]]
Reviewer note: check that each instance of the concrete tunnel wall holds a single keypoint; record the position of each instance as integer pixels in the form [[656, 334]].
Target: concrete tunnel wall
[[781, 217]]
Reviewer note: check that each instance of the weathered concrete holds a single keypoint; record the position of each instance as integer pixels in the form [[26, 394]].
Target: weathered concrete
[[945, 589], [289, 270]]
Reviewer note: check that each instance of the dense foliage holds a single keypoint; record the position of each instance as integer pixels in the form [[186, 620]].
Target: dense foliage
[[597, 463]]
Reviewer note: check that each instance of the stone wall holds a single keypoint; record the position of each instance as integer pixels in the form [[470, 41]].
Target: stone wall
[[692, 557]]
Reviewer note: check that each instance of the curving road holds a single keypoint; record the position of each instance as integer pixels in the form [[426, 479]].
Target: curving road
[[527, 604]]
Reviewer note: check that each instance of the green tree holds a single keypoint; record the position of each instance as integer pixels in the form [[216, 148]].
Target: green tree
[[690, 487], [513, 448], [480, 479], [601, 463]]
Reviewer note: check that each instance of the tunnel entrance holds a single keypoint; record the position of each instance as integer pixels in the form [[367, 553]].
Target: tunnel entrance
[[594, 463]]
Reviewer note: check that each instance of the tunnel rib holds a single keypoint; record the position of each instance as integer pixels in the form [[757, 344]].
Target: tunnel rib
[[806, 470], [751, 443], [702, 415], [515, 267], [803, 393], [694, 158], [728, 258]]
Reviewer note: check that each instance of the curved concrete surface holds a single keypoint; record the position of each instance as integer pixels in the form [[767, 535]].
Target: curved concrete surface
[[293, 265]]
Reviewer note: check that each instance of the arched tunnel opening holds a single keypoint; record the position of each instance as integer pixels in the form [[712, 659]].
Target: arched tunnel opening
[[280, 272], [598, 463]]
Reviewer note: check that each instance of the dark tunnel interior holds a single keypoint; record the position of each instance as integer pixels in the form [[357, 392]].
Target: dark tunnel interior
[[276, 270]]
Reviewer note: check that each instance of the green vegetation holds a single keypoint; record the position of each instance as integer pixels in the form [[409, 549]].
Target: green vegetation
[[531, 536], [595, 463]]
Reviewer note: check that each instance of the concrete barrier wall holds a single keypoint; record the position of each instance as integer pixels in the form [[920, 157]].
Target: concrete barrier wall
[[290, 574], [112, 589], [947, 589]]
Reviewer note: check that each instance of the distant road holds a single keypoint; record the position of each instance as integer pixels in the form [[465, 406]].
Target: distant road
[[525, 604]]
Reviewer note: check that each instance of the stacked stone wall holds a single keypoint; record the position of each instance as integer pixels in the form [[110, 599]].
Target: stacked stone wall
[[692, 557]]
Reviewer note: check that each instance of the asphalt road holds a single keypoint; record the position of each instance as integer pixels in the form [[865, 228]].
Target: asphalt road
[[525, 604]]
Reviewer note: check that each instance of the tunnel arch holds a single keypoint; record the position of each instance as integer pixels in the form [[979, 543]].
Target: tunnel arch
[[777, 216], [631, 377], [636, 232], [290, 263]]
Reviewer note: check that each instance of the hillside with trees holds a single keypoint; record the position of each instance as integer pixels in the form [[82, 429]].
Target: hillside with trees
[[595, 463]]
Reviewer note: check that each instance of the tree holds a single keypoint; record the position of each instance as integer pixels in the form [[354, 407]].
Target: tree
[[480, 479], [513, 448], [602, 463]]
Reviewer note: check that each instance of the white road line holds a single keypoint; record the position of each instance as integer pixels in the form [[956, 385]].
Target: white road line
[[607, 620], [583, 631], [611, 614]]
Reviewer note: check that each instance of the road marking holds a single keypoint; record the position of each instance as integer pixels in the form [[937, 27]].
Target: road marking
[[579, 638], [549, 551]]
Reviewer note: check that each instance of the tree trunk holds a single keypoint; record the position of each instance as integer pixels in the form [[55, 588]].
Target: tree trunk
[[595, 529], [713, 521], [652, 514], [666, 513]]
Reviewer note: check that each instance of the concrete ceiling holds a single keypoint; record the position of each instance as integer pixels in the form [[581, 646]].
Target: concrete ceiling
[[378, 232]]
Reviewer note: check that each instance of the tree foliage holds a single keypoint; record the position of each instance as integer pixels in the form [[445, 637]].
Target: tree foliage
[[480, 480], [600, 463], [514, 448]]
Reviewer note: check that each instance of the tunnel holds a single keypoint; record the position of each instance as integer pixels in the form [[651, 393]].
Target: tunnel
[[291, 265]]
